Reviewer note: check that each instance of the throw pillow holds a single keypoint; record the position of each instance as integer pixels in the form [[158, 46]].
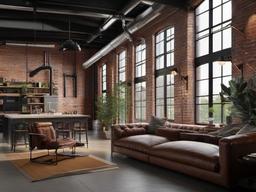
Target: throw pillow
[[155, 123], [247, 129]]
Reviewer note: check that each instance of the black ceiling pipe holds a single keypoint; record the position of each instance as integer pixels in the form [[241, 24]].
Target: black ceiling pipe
[[37, 70]]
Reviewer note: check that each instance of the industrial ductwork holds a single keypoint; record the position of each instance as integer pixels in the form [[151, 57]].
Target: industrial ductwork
[[144, 18]]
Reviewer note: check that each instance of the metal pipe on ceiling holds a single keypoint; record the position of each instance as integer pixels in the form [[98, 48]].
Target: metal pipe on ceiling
[[143, 19], [111, 20]]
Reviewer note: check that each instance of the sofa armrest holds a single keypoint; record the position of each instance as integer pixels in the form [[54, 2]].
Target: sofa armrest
[[201, 137], [232, 149]]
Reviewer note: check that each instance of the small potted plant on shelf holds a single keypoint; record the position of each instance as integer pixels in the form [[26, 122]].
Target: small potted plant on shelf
[[211, 118]]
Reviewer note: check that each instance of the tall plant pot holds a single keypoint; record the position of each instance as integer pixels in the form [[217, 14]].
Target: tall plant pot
[[107, 133]]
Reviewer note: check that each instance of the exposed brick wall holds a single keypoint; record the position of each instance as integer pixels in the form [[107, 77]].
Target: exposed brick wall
[[16, 62], [244, 45], [243, 51]]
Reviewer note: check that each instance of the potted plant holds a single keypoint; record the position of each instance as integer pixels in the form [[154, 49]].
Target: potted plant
[[242, 96], [109, 107]]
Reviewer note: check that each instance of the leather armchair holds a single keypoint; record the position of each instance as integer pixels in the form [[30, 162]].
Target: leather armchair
[[43, 136]]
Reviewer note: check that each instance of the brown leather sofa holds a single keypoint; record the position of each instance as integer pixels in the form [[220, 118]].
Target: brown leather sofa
[[186, 150]]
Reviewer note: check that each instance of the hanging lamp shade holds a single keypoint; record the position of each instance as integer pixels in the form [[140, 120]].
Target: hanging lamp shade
[[70, 45]]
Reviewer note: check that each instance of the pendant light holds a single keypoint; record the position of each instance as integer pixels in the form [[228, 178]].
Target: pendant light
[[69, 45]]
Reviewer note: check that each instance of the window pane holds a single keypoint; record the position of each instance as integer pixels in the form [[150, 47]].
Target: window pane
[[202, 72], [227, 11], [159, 48], [169, 59], [217, 113], [216, 88], [203, 7], [202, 21], [227, 38], [202, 47], [226, 80], [216, 67], [202, 100], [160, 62], [216, 16], [202, 113], [216, 3], [202, 88], [160, 81], [227, 68], [160, 37], [216, 42]]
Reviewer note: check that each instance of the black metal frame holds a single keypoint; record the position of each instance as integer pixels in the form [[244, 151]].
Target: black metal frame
[[211, 56], [118, 75], [56, 154], [166, 70], [74, 78], [139, 79]]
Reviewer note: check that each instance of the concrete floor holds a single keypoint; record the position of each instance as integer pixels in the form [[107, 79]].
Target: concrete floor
[[132, 176]]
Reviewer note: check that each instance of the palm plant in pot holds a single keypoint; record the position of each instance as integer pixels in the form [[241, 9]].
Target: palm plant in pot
[[242, 95], [109, 107]]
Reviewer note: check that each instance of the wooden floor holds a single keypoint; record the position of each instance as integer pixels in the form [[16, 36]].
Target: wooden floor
[[132, 176]]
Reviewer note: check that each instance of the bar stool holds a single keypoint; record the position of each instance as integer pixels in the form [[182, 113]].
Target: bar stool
[[62, 129], [79, 129], [20, 130]]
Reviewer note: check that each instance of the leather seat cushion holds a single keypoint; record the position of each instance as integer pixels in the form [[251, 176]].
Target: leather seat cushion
[[140, 143], [197, 154]]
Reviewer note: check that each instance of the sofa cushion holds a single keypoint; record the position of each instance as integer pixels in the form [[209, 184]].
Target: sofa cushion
[[140, 143], [197, 154]]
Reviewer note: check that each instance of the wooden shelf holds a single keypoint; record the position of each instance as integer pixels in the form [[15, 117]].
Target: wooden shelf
[[35, 96], [10, 94], [35, 103]]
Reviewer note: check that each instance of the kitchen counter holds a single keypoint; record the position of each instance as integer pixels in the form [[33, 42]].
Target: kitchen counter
[[44, 115], [11, 120]]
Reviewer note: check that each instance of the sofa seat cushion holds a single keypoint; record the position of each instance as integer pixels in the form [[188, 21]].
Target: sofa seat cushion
[[197, 154], [140, 143]]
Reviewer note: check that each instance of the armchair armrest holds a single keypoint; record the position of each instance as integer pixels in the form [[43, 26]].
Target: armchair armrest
[[232, 149]]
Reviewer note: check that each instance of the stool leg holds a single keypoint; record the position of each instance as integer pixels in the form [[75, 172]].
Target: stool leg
[[25, 139], [86, 136], [14, 142], [79, 136]]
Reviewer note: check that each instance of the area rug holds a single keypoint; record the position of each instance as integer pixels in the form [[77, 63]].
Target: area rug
[[77, 165]]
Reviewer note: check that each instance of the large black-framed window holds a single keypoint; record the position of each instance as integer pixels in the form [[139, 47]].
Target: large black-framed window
[[164, 89], [213, 42], [104, 80], [140, 83], [122, 111]]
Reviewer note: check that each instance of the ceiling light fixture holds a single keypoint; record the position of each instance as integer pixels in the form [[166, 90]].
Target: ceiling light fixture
[[69, 45]]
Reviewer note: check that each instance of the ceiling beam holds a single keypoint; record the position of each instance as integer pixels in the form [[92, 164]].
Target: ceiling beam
[[38, 26], [60, 12]]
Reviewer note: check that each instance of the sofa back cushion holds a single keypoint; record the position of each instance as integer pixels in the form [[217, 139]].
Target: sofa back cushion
[[186, 127], [129, 129]]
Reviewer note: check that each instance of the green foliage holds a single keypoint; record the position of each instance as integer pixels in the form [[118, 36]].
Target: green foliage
[[111, 106], [242, 95]]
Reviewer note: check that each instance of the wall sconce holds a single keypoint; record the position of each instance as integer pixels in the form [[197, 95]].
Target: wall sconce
[[183, 78], [223, 60]]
